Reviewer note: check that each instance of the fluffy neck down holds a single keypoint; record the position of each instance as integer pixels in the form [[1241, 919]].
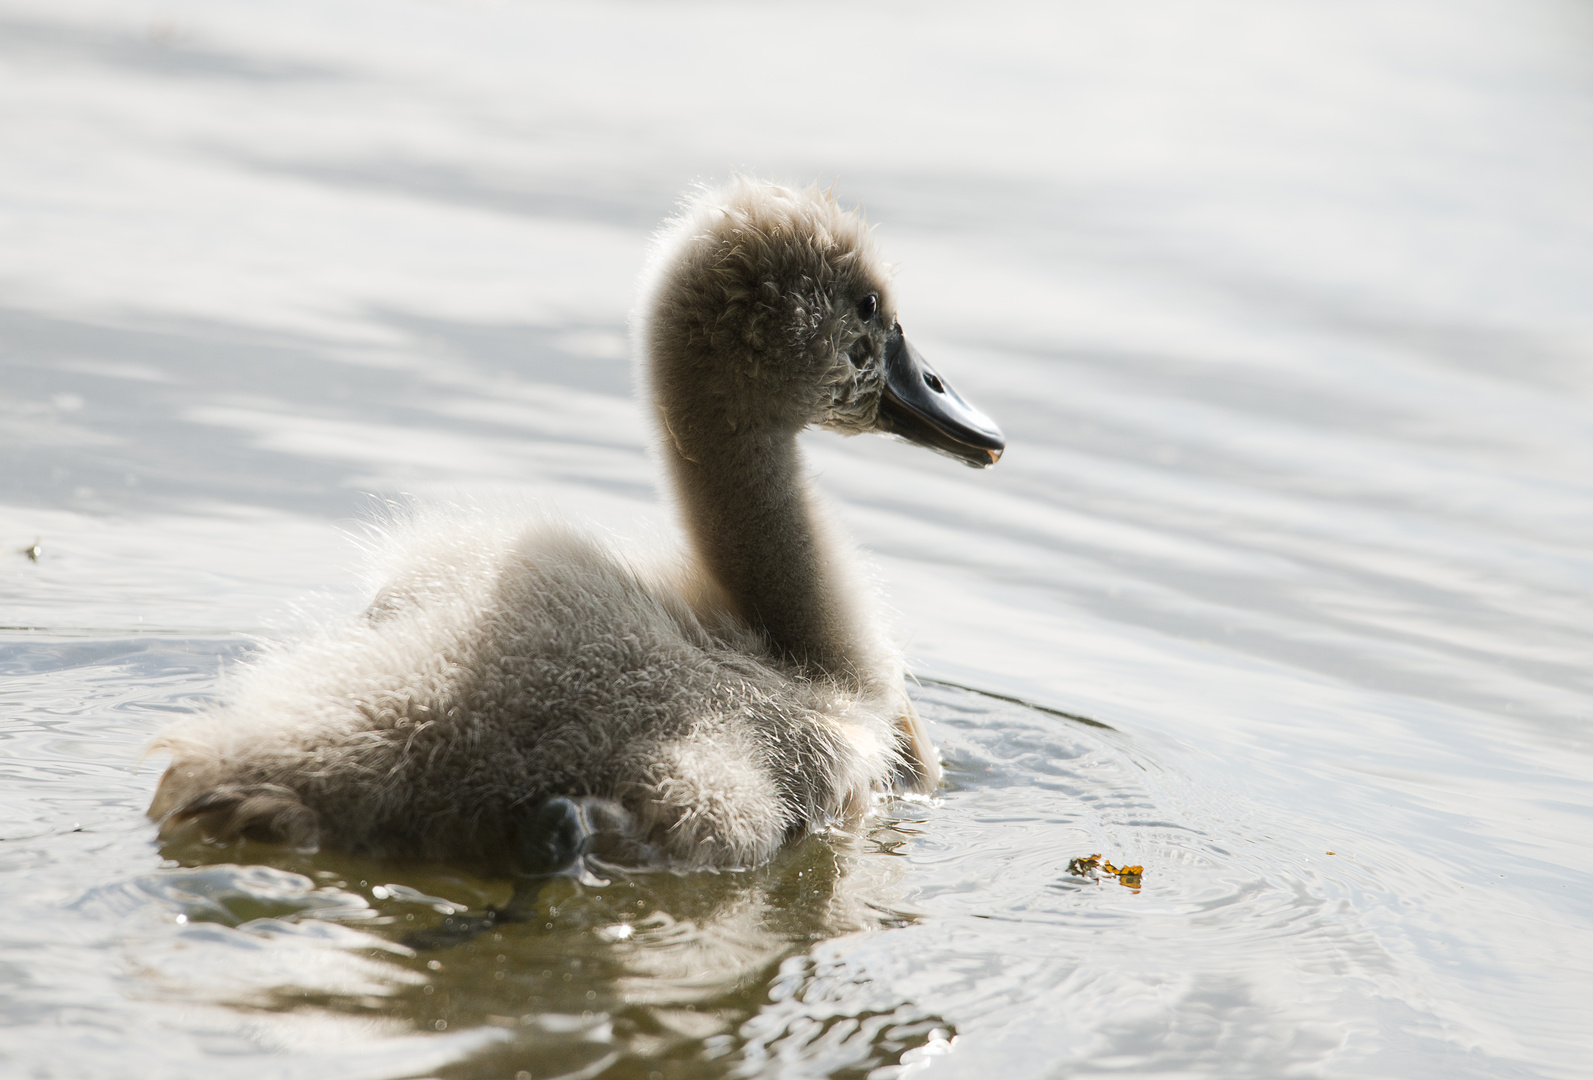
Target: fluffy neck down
[[755, 530]]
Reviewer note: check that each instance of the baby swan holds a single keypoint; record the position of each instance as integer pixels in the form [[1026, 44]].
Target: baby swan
[[514, 696]]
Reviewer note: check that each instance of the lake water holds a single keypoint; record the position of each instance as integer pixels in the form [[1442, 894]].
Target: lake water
[[1282, 592]]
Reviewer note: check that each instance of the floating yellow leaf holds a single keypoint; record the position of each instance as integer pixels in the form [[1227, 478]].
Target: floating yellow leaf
[[1084, 864], [1089, 865]]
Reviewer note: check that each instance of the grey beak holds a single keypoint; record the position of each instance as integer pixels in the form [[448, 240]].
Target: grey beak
[[921, 407]]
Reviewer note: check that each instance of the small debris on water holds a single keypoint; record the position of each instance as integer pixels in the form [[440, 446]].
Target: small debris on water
[[33, 550], [1093, 866]]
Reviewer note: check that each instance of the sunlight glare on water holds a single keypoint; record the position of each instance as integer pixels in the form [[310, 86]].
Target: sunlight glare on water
[[1281, 591]]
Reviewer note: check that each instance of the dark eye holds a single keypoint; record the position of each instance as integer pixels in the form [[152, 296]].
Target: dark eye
[[867, 307]]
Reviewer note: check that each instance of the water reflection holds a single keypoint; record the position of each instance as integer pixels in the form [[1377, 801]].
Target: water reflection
[[645, 968]]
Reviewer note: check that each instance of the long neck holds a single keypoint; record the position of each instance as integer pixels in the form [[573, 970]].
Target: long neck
[[748, 513]]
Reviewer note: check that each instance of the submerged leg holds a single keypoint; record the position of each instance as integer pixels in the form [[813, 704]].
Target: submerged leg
[[459, 929], [552, 839]]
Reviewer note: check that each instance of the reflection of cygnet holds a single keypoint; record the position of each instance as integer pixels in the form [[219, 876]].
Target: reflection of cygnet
[[706, 708]]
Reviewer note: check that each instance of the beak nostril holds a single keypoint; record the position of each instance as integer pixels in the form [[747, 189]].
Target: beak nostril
[[932, 381]]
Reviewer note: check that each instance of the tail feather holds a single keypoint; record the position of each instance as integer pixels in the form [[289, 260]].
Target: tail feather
[[919, 770]]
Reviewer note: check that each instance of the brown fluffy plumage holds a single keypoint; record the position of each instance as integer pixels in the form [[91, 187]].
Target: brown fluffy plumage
[[700, 709]]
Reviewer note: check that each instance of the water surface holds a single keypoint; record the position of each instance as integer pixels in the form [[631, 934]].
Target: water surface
[[1280, 593]]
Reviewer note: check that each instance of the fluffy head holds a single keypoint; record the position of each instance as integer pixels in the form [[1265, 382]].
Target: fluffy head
[[766, 309]]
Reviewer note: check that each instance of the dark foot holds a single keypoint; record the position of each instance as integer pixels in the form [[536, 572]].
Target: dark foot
[[266, 812], [552, 837], [460, 929], [454, 930]]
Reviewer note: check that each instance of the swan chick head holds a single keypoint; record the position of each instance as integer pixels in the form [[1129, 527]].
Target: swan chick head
[[767, 308]]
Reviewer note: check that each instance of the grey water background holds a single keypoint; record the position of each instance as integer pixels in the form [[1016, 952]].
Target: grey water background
[[1287, 310]]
